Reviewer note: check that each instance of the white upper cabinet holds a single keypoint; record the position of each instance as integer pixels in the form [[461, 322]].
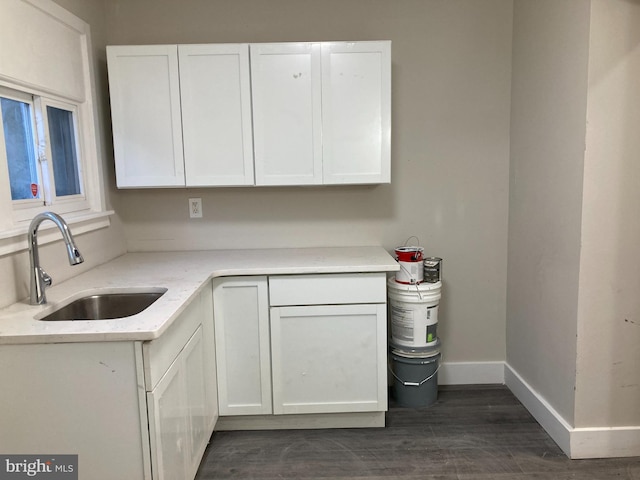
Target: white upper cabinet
[[216, 114], [356, 112], [161, 94], [287, 117], [259, 114], [145, 112], [322, 112]]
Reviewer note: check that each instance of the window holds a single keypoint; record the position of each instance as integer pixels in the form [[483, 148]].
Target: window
[[43, 154], [49, 156], [19, 139], [64, 152]]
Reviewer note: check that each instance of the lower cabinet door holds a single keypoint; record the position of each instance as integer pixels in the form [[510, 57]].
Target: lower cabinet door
[[168, 425], [178, 411], [241, 316], [329, 358], [198, 404]]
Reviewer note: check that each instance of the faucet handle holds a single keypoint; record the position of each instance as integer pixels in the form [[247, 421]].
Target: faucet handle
[[46, 278]]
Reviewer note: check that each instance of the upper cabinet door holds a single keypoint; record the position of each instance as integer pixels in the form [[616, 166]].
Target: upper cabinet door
[[145, 111], [287, 117], [356, 112], [216, 114]]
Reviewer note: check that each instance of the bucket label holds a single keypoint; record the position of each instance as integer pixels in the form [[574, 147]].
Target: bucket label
[[413, 324], [432, 334], [410, 272], [402, 314], [431, 315], [402, 326]]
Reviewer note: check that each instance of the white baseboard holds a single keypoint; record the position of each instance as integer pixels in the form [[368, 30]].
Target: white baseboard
[[591, 442], [605, 442], [470, 373], [542, 411], [304, 421]]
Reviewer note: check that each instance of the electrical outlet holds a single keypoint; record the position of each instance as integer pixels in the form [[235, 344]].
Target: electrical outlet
[[195, 208]]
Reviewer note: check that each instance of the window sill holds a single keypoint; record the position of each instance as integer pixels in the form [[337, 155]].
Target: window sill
[[15, 239]]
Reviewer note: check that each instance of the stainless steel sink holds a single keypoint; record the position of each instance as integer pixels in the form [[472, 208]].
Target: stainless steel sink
[[105, 306]]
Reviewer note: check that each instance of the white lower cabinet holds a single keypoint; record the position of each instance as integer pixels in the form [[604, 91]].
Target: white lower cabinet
[[326, 359], [77, 398], [301, 344], [128, 409], [168, 425], [241, 317], [182, 403], [178, 415]]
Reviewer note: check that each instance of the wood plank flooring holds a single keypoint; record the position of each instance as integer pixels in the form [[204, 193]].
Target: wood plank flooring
[[472, 432]]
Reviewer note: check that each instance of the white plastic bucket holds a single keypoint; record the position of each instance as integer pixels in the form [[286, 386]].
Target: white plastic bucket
[[413, 310], [411, 266]]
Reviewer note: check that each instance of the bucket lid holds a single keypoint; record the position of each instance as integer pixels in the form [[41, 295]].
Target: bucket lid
[[413, 358], [404, 249], [409, 254], [415, 352], [421, 287], [432, 261]]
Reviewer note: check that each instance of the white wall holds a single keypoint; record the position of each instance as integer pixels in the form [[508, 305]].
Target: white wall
[[548, 111], [450, 153], [608, 356], [573, 309]]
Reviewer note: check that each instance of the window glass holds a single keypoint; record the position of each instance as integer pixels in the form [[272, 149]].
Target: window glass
[[64, 152], [19, 144]]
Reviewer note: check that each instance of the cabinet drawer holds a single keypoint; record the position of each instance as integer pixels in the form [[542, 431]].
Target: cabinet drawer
[[327, 289]]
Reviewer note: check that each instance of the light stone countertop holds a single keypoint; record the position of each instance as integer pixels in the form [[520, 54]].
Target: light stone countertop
[[183, 274]]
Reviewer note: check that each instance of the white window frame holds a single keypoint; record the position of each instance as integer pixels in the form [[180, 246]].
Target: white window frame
[[85, 212], [24, 210], [70, 203]]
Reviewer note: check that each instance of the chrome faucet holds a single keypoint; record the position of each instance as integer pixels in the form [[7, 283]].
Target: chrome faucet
[[39, 278]]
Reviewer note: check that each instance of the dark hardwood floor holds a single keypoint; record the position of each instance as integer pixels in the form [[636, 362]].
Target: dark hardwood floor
[[472, 432]]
